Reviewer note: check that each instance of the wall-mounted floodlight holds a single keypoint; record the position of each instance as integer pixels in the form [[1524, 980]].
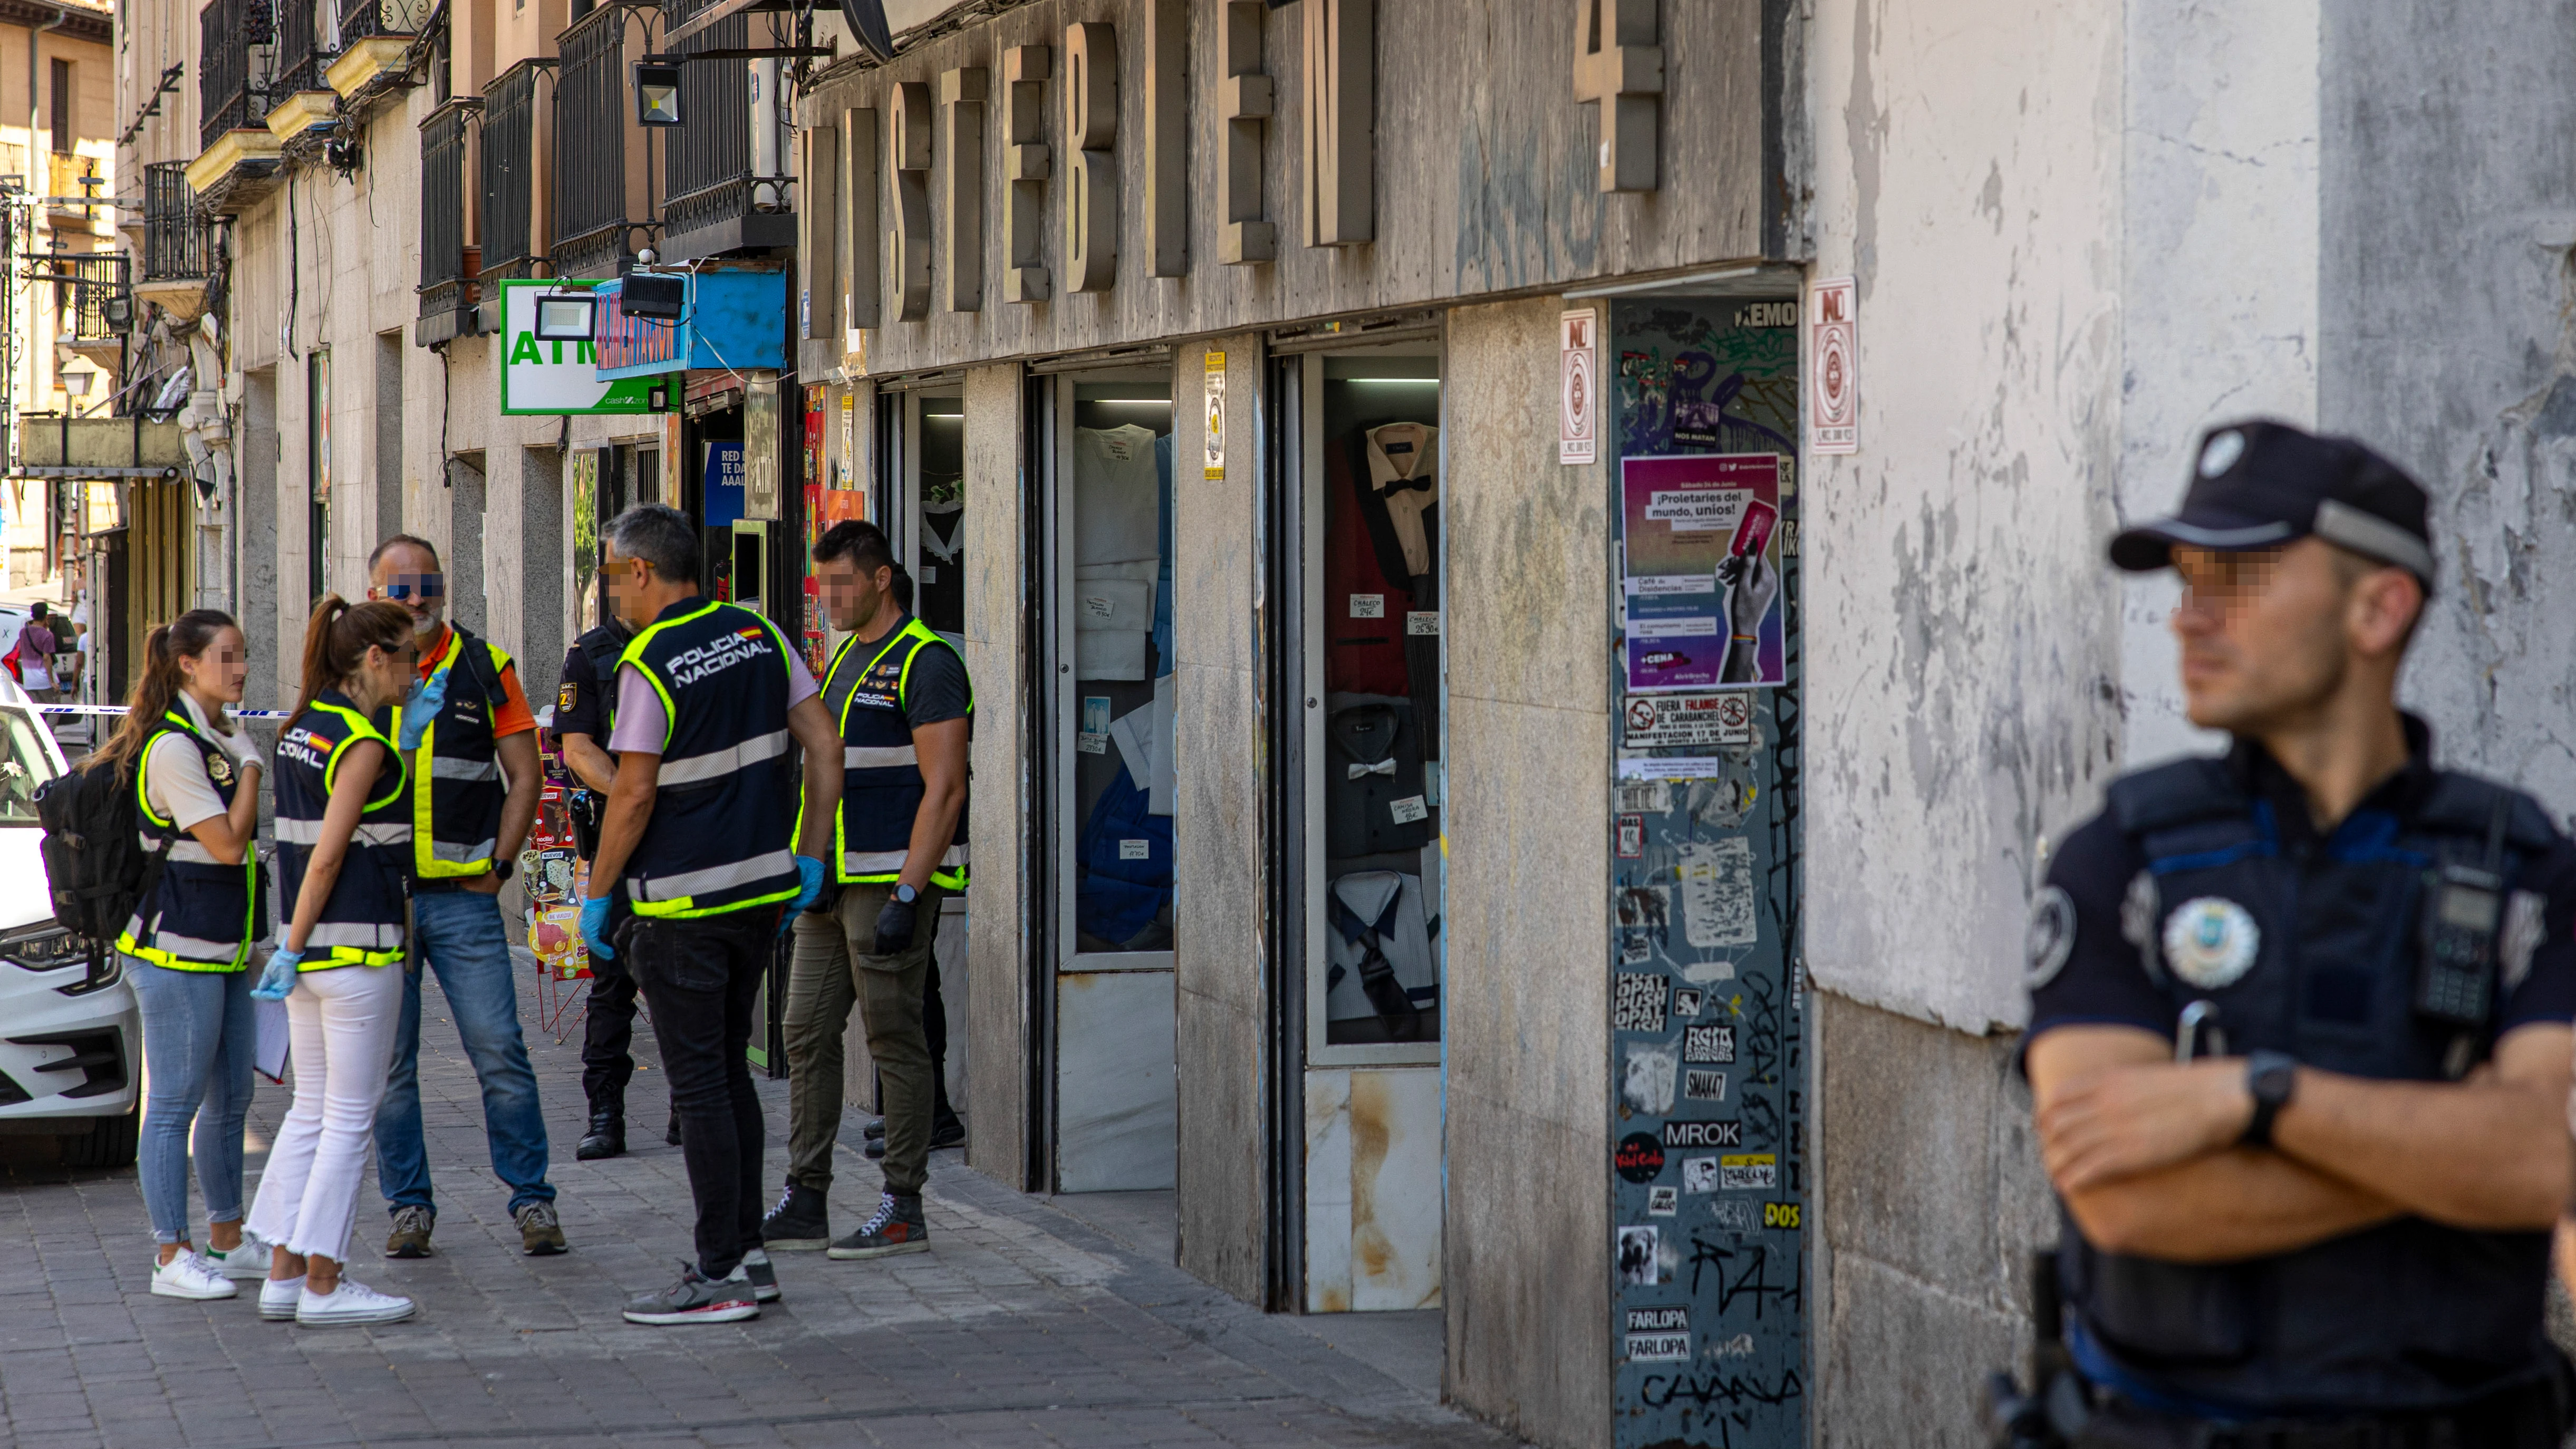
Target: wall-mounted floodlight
[[657, 94], [566, 317], [661, 296]]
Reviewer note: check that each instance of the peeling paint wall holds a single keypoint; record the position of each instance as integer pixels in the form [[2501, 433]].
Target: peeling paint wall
[[1968, 175]]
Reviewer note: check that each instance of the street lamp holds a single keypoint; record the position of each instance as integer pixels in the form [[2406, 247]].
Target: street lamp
[[657, 94]]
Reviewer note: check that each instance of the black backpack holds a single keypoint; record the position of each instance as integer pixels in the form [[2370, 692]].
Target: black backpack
[[95, 862]]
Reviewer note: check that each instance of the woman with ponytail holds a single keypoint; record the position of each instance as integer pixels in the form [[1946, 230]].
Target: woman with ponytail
[[188, 945], [343, 848]]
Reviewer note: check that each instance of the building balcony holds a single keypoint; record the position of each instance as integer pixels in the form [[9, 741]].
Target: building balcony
[[239, 160], [178, 252], [719, 200], [450, 264], [375, 59]]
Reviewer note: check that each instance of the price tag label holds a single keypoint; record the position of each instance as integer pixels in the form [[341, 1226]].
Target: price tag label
[[1368, 606], [1134, 849], [1423, 621], [1409, 809]]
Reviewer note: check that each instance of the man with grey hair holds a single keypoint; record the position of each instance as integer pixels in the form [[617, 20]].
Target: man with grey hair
[[700, 854]]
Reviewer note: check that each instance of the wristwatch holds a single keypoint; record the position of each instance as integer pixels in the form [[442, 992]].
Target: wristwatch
[[2270, 1077], [906, 894]]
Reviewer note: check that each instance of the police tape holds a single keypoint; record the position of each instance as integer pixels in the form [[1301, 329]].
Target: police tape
[[120, 709]]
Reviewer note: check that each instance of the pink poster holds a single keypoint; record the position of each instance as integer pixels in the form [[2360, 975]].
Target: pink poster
[[1702, 571]]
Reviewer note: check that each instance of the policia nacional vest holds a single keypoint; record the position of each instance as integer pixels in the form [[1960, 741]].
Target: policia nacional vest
[[202, 914], [2409, 1314], [456, 802], [881, 787], [722, 834], [362, 923]]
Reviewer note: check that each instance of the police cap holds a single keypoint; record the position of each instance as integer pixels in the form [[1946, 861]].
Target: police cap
[[2261, 484]]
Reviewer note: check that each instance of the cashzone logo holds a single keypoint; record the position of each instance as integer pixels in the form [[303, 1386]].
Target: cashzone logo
[[554, 378]]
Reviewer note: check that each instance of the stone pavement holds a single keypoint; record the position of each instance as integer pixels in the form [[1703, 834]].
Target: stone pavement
[[1023, 1326]]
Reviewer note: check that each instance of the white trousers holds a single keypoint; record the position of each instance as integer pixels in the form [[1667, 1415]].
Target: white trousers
[[341, 1025]]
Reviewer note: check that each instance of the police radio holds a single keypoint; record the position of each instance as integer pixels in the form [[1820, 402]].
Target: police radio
[[2456, 972]]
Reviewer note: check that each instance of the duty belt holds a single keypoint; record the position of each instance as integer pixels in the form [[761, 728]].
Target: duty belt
[[2530, 1415]]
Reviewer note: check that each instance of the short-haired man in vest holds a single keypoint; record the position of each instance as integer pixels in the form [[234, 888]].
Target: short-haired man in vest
[[471, 745], [903, 711], [702, 849]]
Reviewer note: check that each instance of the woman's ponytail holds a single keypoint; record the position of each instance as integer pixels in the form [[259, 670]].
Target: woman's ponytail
[[185, 637], [337, 639]]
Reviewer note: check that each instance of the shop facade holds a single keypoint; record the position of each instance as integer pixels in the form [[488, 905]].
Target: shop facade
[[1287, 409]]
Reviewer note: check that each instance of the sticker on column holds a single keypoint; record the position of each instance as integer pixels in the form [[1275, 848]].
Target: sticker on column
[[1423, 621], [1368, 606], [1094, 737], [1409, 809], [1134, 849], [1717, 892], [1215, 465]]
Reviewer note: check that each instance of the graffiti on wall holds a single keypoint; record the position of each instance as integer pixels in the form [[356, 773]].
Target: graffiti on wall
[[1708, 1173]]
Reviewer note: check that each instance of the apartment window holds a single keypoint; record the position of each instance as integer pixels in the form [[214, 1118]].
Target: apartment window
[[63, 108]]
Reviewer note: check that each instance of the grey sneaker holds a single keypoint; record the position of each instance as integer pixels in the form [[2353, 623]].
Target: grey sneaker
[[897, 1228], [764, 1276], [695, 1300], [540, 1231], [410, 1237]]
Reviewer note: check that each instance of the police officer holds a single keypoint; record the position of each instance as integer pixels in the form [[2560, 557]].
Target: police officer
[[585, 711], [2300, 1013], [899, 697], [701, 843], [470, 743]]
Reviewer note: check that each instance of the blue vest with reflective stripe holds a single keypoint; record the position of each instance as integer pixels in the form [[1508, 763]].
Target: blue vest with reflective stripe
[[362, 923], [881, 784], [722, 834], [202, 915], [2407, 1314]]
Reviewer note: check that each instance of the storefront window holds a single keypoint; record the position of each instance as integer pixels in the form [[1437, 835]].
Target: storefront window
[[1119, 512], [1374, 658], [938, 498]]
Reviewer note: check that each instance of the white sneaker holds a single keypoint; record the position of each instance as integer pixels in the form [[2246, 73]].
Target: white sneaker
[[278, 1297], [249, 1260], [352, 1302], [188, 1276]]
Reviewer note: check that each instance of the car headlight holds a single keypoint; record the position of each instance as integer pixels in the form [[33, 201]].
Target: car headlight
[[43, 948]]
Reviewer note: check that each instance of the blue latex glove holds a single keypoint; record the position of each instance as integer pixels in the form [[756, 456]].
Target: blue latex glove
[[422, 706], [809, 889], [279, 978], [594, 928]]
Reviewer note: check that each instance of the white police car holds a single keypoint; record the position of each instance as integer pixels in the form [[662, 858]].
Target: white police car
[[71, 1046]]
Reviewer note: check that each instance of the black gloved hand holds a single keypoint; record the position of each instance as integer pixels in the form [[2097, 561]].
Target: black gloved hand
[[894, 927]]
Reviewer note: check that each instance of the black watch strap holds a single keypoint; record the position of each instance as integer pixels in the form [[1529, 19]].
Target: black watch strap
[[2270, 1077]]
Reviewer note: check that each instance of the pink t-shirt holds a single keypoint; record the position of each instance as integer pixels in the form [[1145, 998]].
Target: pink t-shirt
[[640, 725]]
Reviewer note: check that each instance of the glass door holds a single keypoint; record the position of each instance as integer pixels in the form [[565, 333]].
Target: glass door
[[1369, 460], [1111, 540]]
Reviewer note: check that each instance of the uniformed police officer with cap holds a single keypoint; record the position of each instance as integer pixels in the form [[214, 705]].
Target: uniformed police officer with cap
[[2300, 1013]]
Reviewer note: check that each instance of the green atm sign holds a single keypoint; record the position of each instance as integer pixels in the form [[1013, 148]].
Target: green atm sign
[[557, 377]]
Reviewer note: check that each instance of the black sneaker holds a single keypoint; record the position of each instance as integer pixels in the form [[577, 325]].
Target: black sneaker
[[951, 1133], [897, 1228], [874, 1131], [800, 1223], [695, 1300], [671, 1134], [764, 1277]]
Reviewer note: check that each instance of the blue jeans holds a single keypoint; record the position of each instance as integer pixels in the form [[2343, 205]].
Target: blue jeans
[[199, 1040], [459, 935]]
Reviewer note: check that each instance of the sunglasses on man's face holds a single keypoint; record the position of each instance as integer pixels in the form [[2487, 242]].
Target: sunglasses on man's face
[[419, 586]]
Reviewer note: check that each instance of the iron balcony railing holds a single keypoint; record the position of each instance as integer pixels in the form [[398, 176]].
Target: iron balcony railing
[[509, 170], [230, 35], [83, 281], [302, 51], [590, 213], [446, 270], [706, 169], [401, 19], [174, 236]]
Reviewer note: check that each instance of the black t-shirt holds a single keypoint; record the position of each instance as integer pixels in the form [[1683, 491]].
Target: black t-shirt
[[2104, 979], [584, 701], [936, 691]]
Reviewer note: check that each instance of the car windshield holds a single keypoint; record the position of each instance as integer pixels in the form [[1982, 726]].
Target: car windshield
[[24, 766]]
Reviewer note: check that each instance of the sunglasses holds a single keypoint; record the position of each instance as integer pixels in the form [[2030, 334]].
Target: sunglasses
[[425, 586]]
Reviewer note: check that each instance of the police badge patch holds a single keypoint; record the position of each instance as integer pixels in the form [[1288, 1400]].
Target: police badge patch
[[2052, 936], [2211, 942], [219, 769], [565, 697]]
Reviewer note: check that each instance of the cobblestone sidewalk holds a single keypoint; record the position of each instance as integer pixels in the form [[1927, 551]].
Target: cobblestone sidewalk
[[1021, 1328]]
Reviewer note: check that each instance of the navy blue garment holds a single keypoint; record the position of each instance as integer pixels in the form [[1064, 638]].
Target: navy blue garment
[[1114, 898], [2206, 881], [1163, 571]]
